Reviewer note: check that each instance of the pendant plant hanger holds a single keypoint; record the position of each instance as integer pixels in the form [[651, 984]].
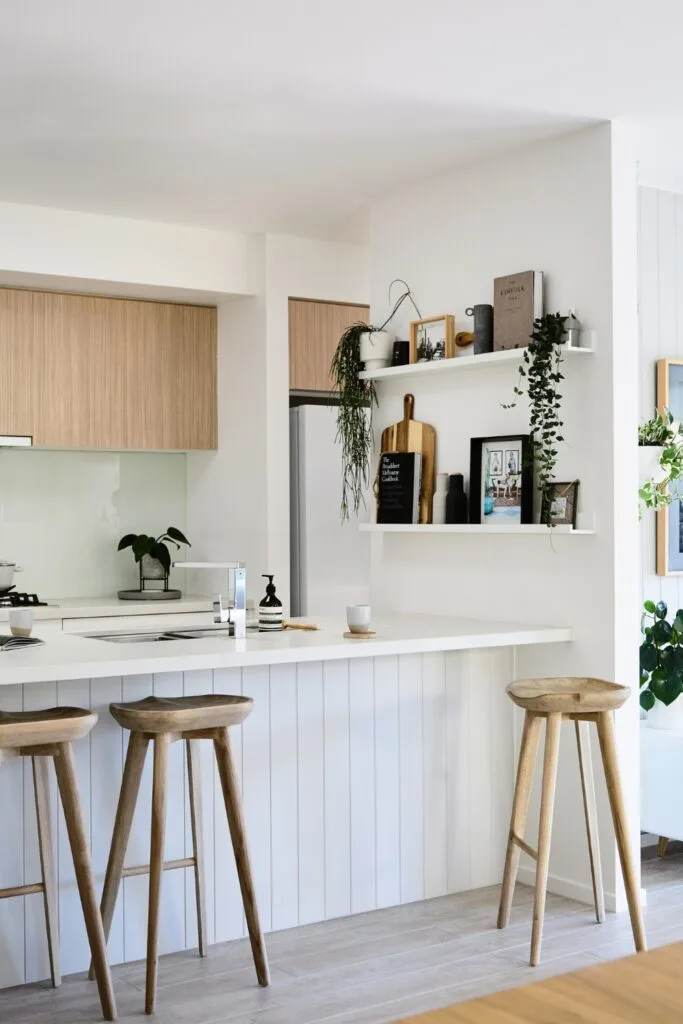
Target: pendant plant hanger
[[355, 397]]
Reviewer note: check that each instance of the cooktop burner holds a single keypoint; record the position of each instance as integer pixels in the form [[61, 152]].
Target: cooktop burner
[[12, 599]]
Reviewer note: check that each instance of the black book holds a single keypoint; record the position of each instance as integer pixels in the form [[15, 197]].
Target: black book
[[399, 487]]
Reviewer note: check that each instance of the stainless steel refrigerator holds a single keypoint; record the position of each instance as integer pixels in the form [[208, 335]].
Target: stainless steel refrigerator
[[330, 560]]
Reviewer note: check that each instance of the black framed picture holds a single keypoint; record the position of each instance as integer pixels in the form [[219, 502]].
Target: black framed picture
[[501, 480], [560, 504]]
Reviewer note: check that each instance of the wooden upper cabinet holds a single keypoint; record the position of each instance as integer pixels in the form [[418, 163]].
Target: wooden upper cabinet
[[81, 371], [314, 331]]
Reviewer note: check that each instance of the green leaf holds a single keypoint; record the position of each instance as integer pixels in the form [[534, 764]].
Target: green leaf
[[649, 606], [647, 700], [661, 610], [142, 545], [661, 632], [161, 552], [127, 541], [648, 657], [175, 534]]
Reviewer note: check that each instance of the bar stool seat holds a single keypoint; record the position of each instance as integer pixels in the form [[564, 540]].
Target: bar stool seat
[[162, 721], [39, 735], [581, 700], [182, 714]]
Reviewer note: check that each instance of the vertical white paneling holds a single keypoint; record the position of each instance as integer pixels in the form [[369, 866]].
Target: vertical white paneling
[[172, 916], [196, 684], [12, 856], [678, 217], [256, 783], [481, 728], [75, 952], [37, 697], [434, 781], [337, 778], [134, 891], [228, 914], [284, 796], [462, 785], [106, 771], [362, 752], [387, 782], [410, 777], [309, 684], [503, 764]]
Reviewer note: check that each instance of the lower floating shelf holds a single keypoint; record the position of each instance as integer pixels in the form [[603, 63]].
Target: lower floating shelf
[[533, 529]]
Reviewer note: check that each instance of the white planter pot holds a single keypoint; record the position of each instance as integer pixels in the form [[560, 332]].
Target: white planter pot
[[663, 717], [376, 349], [648, 463]]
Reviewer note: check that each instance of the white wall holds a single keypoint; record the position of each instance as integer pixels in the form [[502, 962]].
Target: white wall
[[552, 206]]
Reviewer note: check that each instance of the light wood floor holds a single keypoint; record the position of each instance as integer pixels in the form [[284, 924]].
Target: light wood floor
[[369, 969]]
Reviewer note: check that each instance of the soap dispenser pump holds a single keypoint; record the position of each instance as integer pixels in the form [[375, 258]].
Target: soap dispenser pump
[[270, 609]]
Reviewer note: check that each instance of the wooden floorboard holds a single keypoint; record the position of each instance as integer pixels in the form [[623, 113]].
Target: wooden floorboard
[[372, 968]]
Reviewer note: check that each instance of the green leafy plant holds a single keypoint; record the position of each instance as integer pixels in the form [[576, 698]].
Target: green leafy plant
[[662, 431], [354, 425], [661, 656], [540, 369], [155, 547]]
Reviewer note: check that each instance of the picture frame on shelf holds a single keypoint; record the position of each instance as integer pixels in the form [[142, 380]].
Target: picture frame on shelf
[[432, 338], [560, 504], [501, 497], [669, 395]]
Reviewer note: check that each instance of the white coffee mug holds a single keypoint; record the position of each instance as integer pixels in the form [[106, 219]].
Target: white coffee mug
[[21, 621], [358, 618]]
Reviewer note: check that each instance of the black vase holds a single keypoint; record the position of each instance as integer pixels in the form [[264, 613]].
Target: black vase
[[483, 327], [456, 500]]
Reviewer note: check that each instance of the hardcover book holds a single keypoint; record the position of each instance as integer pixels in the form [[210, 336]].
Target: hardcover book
[[517, 302], [399, 487]]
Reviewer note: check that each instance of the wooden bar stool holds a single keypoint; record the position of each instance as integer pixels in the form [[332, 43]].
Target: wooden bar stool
[[39, 735], [579, 700], [164, 720]]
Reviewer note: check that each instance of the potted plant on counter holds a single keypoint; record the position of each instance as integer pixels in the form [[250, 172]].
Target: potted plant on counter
[[660, 449], [152, 553], [661, 667]]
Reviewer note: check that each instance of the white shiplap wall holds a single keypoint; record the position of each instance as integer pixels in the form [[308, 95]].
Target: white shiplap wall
[[366, 783], [661, 334]]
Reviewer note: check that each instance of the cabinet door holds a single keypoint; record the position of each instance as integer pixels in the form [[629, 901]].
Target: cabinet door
[[314, 332]]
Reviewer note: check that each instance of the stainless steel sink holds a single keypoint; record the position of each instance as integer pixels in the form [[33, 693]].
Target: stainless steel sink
[[222, 632]]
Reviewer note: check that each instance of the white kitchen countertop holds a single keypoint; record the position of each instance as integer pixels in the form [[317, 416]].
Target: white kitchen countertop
[[95, 607], [70, 656]]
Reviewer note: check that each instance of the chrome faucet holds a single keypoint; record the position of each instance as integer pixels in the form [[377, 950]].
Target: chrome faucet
[[237, 582]]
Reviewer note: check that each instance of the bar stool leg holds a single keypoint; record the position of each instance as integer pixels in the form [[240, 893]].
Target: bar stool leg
[[196, 820], [552, 749], [47, 865], [162, 742], [520, 809], [616, 799], [73, 816], [233, 808], [591, 815], [130, 787]]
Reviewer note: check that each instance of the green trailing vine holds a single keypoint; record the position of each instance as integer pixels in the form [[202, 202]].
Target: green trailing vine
[[541, 369], [662, 431], [354, 425]]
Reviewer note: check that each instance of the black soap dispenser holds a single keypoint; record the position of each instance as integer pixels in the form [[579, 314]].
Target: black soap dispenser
[[270, 609]]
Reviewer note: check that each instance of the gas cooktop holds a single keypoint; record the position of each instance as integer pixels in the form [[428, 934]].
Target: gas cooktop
[[13, 599]]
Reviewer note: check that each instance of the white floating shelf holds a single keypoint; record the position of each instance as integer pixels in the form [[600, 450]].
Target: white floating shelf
[[512, 355], [532, 529]]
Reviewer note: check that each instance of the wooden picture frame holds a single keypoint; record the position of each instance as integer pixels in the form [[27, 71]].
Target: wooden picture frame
[[521, 481], [567, 492], [669, 559], [448, 334]]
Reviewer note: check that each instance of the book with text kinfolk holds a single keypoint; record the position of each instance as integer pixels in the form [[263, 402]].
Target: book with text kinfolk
[[399, 487], [517, 302]]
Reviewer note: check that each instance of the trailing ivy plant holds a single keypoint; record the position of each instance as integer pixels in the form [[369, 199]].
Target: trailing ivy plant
[[661, 656], [662, 431], [354, 425], [540, 370], [155, 547]]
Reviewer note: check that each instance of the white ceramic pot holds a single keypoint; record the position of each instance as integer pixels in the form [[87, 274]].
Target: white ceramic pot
[[7, 571], [663, 717], [376, 349]]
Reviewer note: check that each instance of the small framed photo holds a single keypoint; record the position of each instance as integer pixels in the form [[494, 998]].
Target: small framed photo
[[560, 504], [501, 480], [433, 338]]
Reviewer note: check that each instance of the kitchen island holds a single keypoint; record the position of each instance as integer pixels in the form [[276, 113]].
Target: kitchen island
[[374, 772]]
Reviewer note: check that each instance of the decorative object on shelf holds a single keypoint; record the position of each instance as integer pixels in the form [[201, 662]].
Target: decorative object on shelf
[[409, 435], [501, 480], [154, 561], [457, 508], [572, 331], [483, 327], [464, 339], [398, 487], [376, 349], [561, 504], [353, 397], [440, 497], [432, 338], [540, 367], [270, 608], [400, 353], [517, 305], [661, 666]]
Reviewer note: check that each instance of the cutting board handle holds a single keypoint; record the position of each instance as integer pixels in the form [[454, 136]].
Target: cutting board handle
[[408, 406]]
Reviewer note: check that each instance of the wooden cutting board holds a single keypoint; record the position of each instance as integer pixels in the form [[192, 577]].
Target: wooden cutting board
[[409, 435]]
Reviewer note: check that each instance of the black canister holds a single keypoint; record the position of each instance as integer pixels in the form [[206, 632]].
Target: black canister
[[400, 355], [483, 327], [456, 501]]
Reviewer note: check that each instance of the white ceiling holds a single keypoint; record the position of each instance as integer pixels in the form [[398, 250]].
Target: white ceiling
[[262, 114]]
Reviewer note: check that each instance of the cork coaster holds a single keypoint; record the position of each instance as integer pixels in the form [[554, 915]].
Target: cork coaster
[[360, 636]]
